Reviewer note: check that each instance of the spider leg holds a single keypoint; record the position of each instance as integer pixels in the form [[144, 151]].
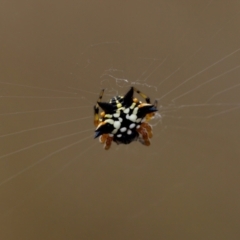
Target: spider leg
[[143, 135], [148, 128], [155, 103], [151, 115], [147, 99], [96, 109], [106, 140]]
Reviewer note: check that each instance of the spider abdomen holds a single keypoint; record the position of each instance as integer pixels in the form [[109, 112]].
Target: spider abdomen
[[124, 119], [126, 133]]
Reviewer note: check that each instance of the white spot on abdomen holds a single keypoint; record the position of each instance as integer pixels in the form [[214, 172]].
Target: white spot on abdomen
[[114, 131], [109, 121], [123, 129], [132, 125], [129, 132], [108, 116], [133, 117], [135, 110], [117, 124], [133, 105], [116, 115]]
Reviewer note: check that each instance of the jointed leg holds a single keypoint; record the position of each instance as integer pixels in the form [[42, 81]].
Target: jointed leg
[[106, 140], [143, 138], [148, 128], [96, 109], [147, 99]]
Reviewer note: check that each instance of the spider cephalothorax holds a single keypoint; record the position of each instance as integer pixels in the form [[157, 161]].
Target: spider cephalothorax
[[124, 119]]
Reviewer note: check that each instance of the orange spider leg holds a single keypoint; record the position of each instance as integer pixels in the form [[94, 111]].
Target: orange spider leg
[[96, 109], [148, 129], [96, 118], [106, 140], [144, 135]]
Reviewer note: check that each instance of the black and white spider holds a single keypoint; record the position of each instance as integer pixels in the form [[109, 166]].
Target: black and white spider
[[124, 119]]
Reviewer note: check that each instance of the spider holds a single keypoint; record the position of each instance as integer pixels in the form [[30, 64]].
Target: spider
[[124, 119]]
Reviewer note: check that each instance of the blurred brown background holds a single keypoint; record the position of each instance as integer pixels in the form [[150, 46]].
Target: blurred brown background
[[56, 182]]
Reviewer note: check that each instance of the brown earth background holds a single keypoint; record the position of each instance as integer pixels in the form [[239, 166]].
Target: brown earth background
[[57, 182]]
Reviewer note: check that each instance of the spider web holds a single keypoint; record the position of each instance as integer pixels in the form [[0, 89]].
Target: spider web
[[48, 128]]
